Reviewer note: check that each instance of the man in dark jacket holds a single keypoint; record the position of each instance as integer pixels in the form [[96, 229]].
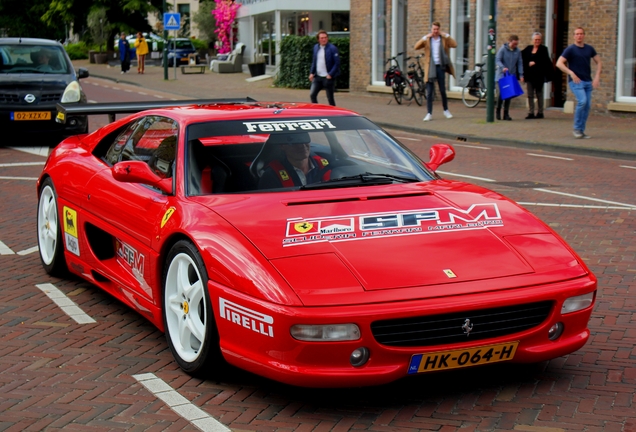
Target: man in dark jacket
[[124, 53], [325, 67], [537, 69]]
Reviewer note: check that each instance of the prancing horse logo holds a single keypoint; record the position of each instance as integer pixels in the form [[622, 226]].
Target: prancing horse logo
[[467, 327]]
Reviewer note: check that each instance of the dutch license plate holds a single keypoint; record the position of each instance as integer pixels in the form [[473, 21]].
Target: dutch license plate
[[442, 360], [31, 115]]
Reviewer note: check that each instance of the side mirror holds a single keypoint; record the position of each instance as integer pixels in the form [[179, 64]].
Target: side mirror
[[439, 155], [82, 73], [140, 172]]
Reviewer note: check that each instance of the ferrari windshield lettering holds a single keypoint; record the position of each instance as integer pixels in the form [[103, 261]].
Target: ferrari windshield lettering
[[247, 318], [342, 228], [268, 126]]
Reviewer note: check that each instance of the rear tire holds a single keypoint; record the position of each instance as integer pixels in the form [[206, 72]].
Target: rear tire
[[49, 231], [397, 93], [419, 92], [188, 316], [469, 100]]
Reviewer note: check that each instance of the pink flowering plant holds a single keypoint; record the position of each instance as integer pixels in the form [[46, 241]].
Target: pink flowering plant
[[225, 15]]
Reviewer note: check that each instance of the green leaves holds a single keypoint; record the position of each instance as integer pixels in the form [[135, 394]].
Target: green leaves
[[296, 54]]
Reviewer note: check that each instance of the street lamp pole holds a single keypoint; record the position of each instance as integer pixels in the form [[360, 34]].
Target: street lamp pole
[[165, 45], [490, 77]]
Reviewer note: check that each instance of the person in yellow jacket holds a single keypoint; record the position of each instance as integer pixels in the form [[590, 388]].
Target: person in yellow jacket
[[436, 46], [142, 50]]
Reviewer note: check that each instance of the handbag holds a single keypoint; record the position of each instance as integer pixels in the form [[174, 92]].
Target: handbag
[[509, 86]]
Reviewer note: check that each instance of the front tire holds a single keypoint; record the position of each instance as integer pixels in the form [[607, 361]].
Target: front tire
[[397, 92], [49, 231], [187, 313], [469, 100]]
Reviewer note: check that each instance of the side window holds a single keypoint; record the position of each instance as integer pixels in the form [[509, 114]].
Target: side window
[[152, 139]]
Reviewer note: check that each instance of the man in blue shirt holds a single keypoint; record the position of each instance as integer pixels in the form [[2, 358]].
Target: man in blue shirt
[[579, 71], [325, 67]]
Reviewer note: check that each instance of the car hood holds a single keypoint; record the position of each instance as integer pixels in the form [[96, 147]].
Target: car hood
[[31, 81], [397, 237]]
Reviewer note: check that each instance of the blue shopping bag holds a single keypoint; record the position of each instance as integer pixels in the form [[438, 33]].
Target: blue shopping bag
[[509, 86]]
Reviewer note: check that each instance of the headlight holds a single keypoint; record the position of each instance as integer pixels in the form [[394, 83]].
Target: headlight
[[577, 303], [325, 333], [72, 93]]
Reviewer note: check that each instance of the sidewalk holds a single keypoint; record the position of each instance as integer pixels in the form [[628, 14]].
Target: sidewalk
[[612, 136]]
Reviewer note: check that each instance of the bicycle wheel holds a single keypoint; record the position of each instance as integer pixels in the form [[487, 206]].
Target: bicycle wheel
[[471, 96], [397, 92], [408, 90], [419, 91]]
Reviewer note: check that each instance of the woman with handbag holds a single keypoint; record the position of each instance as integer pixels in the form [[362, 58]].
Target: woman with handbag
[[508, 60], [538, 70]]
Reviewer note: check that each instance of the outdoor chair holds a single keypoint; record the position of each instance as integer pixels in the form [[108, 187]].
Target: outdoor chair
[[234, 62]]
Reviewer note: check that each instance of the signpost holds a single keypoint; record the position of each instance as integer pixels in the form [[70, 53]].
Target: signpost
[[171, 21]]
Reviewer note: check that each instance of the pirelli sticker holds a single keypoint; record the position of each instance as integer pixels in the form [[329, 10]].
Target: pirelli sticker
[[70, 230], [400, 223]]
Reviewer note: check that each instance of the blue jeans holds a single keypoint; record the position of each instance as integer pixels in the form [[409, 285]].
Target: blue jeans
[[430, 89], [320, 83], [583, 94]]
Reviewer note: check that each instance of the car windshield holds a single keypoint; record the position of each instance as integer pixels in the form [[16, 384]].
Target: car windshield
[[295, 154], [36, 59]]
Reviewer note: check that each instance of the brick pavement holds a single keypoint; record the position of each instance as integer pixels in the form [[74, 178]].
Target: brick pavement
[[612, 135]]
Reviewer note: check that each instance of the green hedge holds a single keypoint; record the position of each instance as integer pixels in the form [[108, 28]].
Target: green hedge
[[77, 51], [296, 54]]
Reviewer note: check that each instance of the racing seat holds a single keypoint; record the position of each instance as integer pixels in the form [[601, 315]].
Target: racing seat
[[270, 150], [214, 176]]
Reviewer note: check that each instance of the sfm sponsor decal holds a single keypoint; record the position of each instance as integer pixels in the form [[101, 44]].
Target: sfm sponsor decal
[[250, 319], [409, 222], [285, 126], [130, 257]]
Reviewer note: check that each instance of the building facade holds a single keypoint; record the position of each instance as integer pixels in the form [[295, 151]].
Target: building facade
[[382, 28], [262, 23]]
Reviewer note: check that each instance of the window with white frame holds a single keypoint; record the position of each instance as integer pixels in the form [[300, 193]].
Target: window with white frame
[[379, 41], [626, 76]]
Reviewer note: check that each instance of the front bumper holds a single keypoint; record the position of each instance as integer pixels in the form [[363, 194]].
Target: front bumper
[[255, 335]]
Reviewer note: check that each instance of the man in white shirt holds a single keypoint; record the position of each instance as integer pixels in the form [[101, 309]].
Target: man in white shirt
[[325, 67], [436, 46]]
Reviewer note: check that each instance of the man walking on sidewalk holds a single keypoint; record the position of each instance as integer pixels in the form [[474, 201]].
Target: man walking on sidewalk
[[436, 63], [579, 71], [325, 67]]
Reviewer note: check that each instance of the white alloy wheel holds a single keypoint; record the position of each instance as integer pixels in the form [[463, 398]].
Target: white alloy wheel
[[184, 308], [47, 225]]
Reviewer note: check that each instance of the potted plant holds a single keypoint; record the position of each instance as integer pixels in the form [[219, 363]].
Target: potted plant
[[99, 29], [257, 67]]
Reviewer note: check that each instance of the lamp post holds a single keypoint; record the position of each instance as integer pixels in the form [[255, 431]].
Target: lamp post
[[165, 46], [490, 78]]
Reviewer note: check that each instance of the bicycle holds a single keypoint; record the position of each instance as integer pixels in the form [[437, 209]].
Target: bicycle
[[416, 75], [394, 78], [473, 83]]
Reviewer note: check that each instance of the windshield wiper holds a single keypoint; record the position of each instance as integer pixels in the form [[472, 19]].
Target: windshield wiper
[[365, 179]]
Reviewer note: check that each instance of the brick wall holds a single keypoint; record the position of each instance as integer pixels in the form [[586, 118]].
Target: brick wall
[[520, 17]]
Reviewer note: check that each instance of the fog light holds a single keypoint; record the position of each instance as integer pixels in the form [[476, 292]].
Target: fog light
[[555, 331], [359, 357]]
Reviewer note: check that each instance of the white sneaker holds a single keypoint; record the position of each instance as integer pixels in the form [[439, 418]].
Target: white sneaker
[[447, 114], [428, 117]]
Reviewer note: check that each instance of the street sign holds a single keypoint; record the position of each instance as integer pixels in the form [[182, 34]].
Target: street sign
[[172, 21]]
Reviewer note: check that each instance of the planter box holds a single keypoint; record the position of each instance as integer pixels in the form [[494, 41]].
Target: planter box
[[256, 69], [101, 58]]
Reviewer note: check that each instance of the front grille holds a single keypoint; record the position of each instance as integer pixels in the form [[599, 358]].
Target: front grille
[[51, 97], [9, 98], [433, 330]]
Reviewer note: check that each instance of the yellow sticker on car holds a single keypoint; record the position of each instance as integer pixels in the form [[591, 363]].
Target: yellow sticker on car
[[70, 230]]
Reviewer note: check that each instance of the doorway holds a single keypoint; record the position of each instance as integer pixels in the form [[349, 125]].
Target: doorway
[[560, 23]]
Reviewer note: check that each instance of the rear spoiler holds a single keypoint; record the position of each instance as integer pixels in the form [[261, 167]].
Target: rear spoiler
[[112, 108]]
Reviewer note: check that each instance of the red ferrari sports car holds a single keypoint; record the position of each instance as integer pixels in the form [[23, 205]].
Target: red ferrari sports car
[[303, 243]]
